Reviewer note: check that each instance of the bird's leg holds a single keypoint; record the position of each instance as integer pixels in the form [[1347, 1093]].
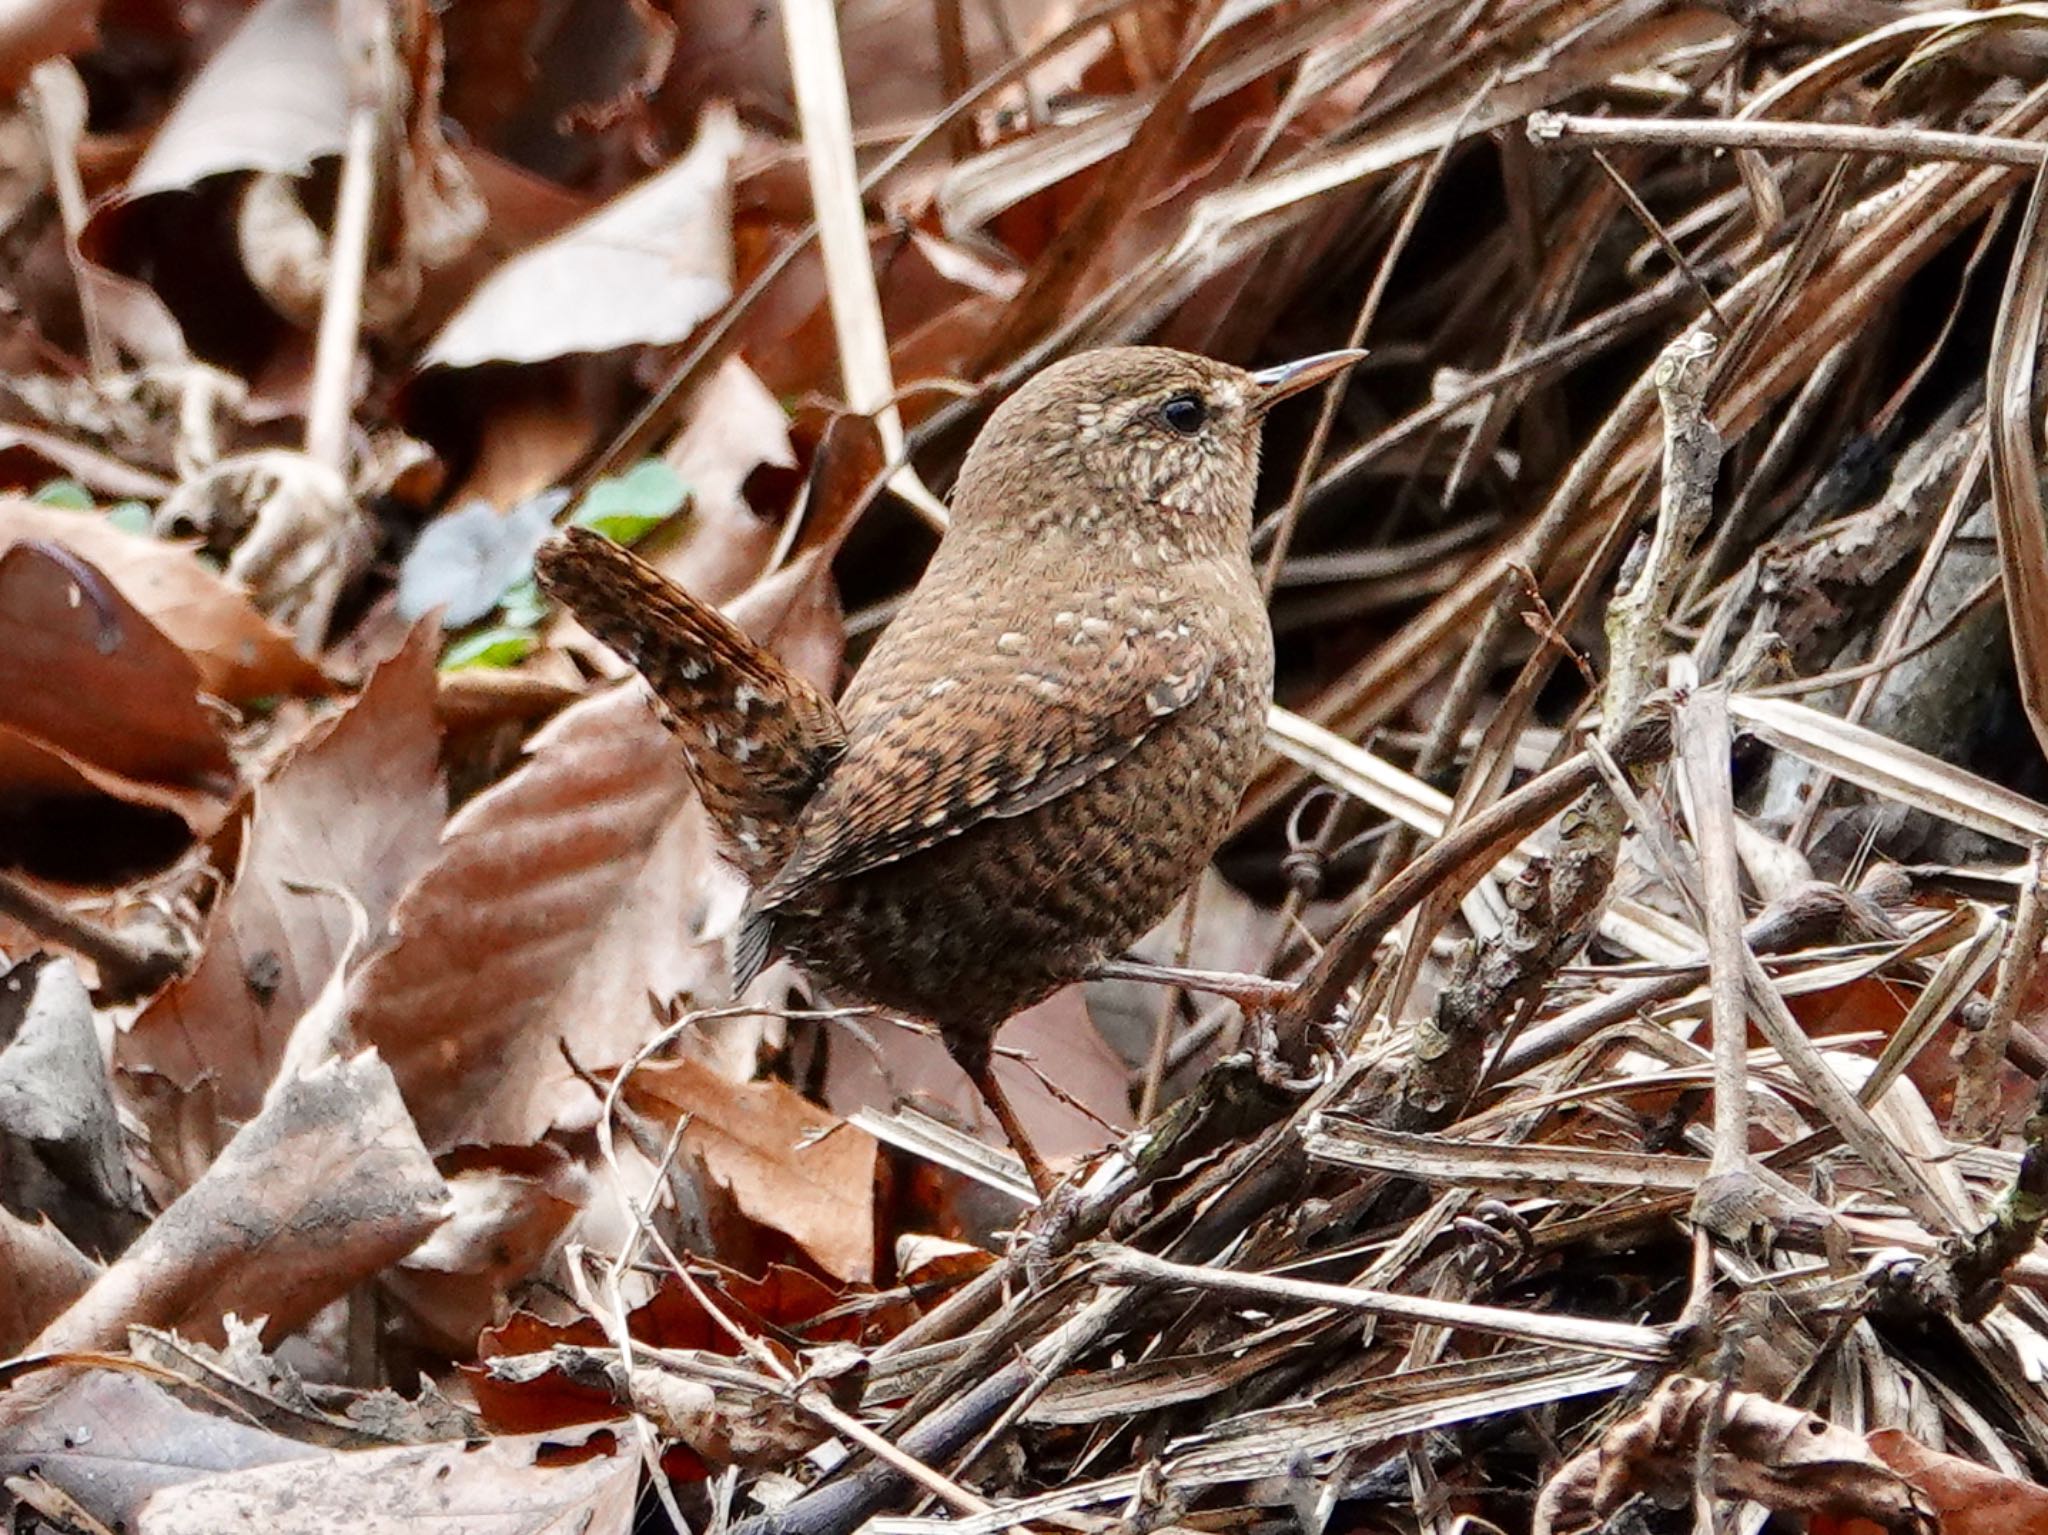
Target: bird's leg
[[975, 1053]]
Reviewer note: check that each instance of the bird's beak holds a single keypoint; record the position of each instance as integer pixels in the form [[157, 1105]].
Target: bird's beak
[[1276, 384]]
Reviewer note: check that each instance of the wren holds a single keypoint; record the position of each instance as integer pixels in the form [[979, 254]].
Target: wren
[[1045, 746]]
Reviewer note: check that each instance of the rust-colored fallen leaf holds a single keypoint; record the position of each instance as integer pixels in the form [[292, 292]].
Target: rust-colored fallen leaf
[[1971, 1499], [499, 1487], [357, 807], [724, 1413], [783, 1302], [240, 655], [45, 1273], [91, 689], [1764, 1450], [325, 1187], [734, 427], [563, 899], [789, 1165]]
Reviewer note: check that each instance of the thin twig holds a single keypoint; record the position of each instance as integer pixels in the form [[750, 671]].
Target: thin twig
[[1979, 1078], [1558, 130], [1124, 1265], [127, 968], [1361, 325], [1461, 858]]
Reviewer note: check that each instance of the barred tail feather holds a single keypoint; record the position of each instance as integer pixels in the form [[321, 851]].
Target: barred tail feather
[[757, 737]]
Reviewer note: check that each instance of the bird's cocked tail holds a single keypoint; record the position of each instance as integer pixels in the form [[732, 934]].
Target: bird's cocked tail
[[756, 736]]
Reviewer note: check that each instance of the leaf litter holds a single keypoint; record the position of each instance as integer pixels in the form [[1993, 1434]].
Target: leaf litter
[[1643, 1126]]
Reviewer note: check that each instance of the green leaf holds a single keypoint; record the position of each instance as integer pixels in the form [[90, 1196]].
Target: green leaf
[[626, 507], [129, 516], [495, 647], [68, 494], [522, 606]]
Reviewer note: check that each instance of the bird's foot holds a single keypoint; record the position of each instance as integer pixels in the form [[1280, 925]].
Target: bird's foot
[[1271, 1066], [1252, 993]]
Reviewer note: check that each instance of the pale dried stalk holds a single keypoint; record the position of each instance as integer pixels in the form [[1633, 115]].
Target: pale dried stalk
[[1977, 1085], [1124, 1265], [1731, 1198], [1555, 130], [819, 74]]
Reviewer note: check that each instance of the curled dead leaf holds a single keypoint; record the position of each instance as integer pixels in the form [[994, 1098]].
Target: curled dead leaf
[[357, 807], [789, 1165], [239, 654], [321, 1190], [67, 634], [1767, 1451], [645, 269]]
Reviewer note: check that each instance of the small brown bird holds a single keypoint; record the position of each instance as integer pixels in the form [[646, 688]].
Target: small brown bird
[[1046, 745]]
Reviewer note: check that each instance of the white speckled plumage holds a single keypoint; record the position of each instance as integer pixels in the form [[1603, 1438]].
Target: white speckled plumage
[[1048, 742]]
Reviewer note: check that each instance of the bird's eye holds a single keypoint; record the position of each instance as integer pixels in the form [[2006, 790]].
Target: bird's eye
[[1185, 413]]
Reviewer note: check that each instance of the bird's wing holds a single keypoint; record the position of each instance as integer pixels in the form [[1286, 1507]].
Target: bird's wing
[[999, 741]]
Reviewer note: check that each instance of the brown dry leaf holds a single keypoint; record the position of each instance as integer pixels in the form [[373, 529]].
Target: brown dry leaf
[[931, 1263], [499, 1487], [788, 1164], [512, 1205], [273, 97], [736, 1417], [324, 1188], [734, 427], [1762, 1449], [942, 302], [433, 212], [520, 209], [784, 1303], [845, 470], [45, 1273], [564, 900], [91, 689], [357, 807], [753, 1426], [646, 268], [240, 654], [1057, 1034], [110, 1439], [796, 613], [260, 1387], [1970, 1499]]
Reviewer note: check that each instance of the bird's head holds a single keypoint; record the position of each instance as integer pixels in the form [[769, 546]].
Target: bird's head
[[1132, 444]]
